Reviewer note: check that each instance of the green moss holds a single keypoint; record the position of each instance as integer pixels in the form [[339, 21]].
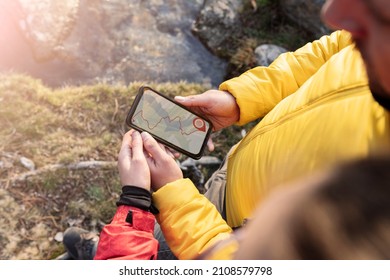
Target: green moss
[[66, 126], [95, 193]]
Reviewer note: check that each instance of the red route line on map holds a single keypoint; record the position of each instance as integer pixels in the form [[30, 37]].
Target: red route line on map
[[167, 117]]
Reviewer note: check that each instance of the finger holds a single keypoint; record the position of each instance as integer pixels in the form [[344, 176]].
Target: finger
[[162, 146], [136, 144], [146, 154], [152, 147], [125, 151], [149, 159], [126, 141], [210, 144], [176, 155], [166, 150], [169, 152], [192, 100]]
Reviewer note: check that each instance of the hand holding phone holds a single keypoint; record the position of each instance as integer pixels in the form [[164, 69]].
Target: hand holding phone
[[169, 122]]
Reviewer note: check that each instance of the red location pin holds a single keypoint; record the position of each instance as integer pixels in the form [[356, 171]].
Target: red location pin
[[199, 124]]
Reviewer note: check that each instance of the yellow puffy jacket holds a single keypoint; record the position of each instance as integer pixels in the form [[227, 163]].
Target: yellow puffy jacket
[[317, 110]]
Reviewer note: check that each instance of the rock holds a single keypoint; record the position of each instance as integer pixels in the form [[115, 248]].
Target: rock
[[77, 42], [216, 22], [305, 13], [59, 236], [46, 33], [267, 53], [28, 163], [113, 41]]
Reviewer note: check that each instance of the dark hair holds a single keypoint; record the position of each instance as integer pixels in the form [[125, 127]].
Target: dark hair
[[348, 216]]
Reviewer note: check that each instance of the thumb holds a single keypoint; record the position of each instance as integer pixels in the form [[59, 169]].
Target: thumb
[[192, 100], [152, 147]]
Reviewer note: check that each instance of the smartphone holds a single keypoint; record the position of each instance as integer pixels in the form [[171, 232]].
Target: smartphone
[[169, 122]]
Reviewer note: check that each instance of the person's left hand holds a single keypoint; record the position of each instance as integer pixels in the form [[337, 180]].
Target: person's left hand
[[132, 165]]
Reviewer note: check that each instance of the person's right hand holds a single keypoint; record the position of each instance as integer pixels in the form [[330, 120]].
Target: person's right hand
[[162, 165], [218, 106]]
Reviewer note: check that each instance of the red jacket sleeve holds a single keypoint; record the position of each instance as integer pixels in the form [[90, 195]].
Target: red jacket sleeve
[[129, 236]]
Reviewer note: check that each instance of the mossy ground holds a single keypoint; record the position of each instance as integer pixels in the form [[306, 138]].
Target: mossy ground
[[64, 126]]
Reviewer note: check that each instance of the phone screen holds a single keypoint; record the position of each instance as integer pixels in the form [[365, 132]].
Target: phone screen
[[169, 122]]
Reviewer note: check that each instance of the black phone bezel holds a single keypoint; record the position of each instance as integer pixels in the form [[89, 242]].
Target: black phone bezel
[[159, 139]]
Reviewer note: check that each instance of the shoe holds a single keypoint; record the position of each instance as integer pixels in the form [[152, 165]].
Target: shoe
[[80, 244]]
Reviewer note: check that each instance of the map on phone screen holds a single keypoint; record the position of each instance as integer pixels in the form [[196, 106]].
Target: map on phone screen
[[171, 122]]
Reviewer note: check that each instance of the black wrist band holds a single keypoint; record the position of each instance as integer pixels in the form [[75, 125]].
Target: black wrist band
[[137, 197]]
